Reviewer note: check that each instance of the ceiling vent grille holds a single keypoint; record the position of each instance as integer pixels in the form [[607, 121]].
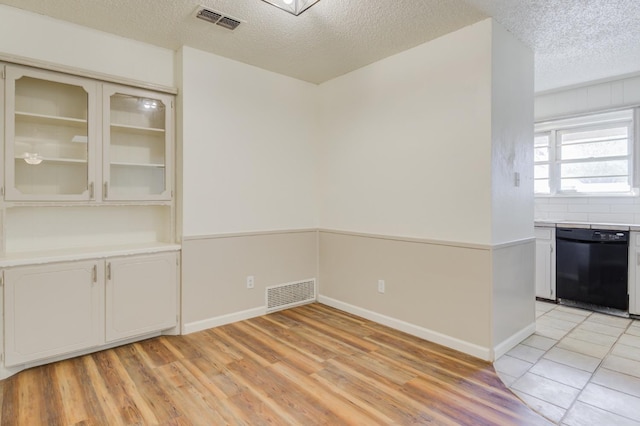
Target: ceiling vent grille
[[217, 18]]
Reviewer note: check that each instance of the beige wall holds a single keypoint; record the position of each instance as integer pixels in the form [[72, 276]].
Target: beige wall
[[214, 270], [445, 290], [513, 309]]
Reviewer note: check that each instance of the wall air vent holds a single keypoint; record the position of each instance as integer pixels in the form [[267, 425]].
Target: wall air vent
[[288, 295], [217, 18]]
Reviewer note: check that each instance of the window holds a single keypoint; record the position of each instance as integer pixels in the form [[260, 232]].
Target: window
[[586, 155]]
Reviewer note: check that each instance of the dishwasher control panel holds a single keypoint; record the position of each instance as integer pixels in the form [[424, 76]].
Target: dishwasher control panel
[[609, 236]]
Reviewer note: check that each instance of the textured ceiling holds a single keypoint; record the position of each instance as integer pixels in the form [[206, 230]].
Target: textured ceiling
[[574, 40]]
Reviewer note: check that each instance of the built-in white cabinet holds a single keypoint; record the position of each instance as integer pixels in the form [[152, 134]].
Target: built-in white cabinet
[[545, 263], [56, 309], [140, 295], [634, 273], [88, 251], [51, 310]]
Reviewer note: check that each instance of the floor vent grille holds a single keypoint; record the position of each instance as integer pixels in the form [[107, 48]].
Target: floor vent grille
[[283, 296]]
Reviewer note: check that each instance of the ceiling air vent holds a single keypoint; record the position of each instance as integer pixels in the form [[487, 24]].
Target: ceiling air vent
[[217, 18]]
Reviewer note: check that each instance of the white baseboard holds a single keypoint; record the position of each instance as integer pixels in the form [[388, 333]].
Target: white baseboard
[[192, 327], [511, 342], [415, 330]]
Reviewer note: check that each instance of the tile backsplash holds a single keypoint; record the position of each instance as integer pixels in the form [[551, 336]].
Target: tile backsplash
[[589, 209]]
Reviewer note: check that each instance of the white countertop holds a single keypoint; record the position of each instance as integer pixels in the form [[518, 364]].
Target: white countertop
[[40, 257], [544, 223]]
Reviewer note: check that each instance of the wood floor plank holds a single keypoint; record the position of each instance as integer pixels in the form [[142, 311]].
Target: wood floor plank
[[343, 408], [116, 388], [299, 356], [390, 392], [70, 395], [311, 365], [189, 394], [157, 398]]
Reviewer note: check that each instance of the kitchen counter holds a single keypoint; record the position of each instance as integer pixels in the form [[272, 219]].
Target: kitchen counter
[[587, 225]]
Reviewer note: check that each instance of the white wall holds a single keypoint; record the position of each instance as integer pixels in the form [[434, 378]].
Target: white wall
[[39, 37], [599, 96], [406, 145], [248, 143], [512, 207], [249, 147], [511, 134]]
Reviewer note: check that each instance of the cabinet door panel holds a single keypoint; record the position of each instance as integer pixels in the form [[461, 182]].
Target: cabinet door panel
[[137, 144], [52, 310], [141, 295], [634, 274], [543, 269], [546, 263], [50, 136]]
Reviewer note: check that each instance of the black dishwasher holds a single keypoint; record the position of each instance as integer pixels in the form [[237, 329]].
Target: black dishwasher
[[592, 267]]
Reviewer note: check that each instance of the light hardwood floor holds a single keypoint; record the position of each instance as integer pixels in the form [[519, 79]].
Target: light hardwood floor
[[304, 366]]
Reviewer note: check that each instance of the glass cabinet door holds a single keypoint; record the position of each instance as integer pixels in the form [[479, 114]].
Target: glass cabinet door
[[137, 144], [49, 136]]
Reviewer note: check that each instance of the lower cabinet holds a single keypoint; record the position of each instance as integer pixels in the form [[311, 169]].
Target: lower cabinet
[[140, 295], [52, 310], [545, 263], [634, 273], [55, 309]]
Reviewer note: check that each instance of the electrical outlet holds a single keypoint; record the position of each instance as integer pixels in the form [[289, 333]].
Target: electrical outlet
[[380, 286], [250, 281]]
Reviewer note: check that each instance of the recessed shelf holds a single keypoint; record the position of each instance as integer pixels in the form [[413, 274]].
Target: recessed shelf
[[55, 160], [136, 129], [40, 140], [123, 164], [50, 119]]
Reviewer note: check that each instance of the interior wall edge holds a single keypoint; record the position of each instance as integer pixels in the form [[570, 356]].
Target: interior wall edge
[[247, 234], [478, 351], [452, 243], [405, 239]]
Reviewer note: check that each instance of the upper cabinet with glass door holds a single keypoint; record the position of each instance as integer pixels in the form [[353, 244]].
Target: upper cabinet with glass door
[[137, 144], [49, 136]]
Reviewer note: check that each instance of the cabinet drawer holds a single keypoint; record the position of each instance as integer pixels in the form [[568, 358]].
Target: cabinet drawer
[[543, 233]]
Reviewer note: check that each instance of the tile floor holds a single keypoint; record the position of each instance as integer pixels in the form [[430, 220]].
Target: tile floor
[[579, 368]]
